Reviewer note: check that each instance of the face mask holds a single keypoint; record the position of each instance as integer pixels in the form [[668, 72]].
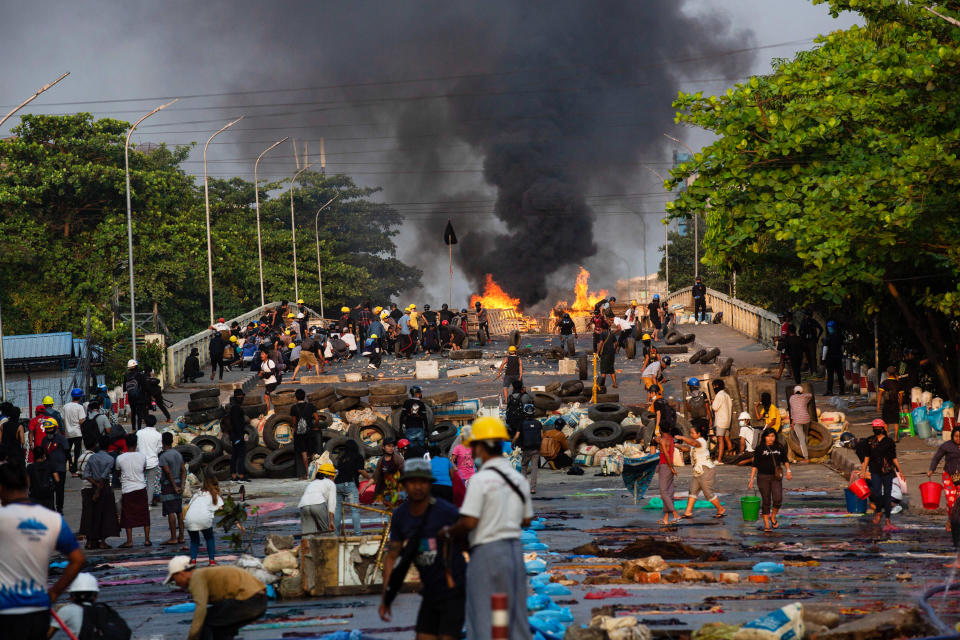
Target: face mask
[[878, 431], [478, 462]]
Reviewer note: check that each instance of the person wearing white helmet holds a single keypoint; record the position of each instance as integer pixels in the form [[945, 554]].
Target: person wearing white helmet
[[135, 386], [83, 593], [748, 434]]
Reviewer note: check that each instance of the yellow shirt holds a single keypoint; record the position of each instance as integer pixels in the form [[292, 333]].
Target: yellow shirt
[[773, 418], [213, 584], [414, 316]]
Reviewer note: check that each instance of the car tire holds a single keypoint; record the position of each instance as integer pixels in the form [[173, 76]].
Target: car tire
[[192, 456], [725, 367], [352, 391], [325, 391], [253, 399], [388, 401], [466, 354], [202, 404], [687, 338], [546, 401], [571, 388], [672, 337], [210, 447], [513, 340], [281, 463], [254, 460], [695, 358], [444, 397], [388, 389], [195, 417], [631, 348], [607, 412], [553, 387], [212, 392], [608, 397], [819, 441], [278, 432], [218, 468], [710, 355], [603, 434], [367, 447], [571, 347], [582, 371], [442, 432], [335, 446], [344, 404], [254, 410]]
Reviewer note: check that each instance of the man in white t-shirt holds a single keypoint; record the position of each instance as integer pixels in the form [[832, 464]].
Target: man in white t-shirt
[[73, 416], [134, 503], [29, 535], [495, 509], [722, 416], [149, 444], [268, 374]]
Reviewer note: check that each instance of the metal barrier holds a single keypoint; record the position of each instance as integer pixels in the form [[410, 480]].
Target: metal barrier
[[753, 322], [178, 353]]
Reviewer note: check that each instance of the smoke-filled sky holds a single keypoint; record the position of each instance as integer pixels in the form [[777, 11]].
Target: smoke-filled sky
[[533, 126]]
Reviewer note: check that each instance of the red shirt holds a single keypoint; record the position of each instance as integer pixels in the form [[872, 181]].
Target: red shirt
[[666, 442]]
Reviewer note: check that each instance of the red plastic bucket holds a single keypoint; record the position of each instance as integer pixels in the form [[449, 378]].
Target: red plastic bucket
[[930, 494], [860, 488]]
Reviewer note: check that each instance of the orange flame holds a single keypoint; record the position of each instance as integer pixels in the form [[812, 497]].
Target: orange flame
[[494, 297], [584, 299]]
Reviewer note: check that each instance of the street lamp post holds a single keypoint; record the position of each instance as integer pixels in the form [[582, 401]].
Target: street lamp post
[[293, 234], [126, 165], [206, 201], [316, 229], [256, 195], [3, 369]]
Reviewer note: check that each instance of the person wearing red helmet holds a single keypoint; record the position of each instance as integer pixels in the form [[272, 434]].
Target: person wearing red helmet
[[880, 464]]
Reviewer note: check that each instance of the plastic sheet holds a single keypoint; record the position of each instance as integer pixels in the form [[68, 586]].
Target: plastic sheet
[[657, 503], [768, 568], [550, 629], [535, 566], [535, 546], [553, 589], [183, 607], [537, 525], [561, 615], [541, 579], [539, 602]]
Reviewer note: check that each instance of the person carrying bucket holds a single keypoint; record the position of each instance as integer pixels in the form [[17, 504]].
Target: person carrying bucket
[[879, 465], [949, 452], [769, 462]]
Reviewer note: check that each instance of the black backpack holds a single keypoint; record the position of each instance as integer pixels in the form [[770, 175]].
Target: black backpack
[[514, 407], [90, 432], [131, 386], [41, 484], [531, 435], [101, 622]]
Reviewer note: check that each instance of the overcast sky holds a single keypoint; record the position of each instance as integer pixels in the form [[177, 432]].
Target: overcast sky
[[126, 58]]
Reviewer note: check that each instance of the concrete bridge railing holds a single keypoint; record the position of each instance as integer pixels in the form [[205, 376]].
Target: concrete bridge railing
[[178, 353], [753, 322]]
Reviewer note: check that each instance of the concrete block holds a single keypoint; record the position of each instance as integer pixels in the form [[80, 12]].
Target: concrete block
[[463, 372], [319, 379], [428, 370], [276, 542], [352, 377], [567, 367]]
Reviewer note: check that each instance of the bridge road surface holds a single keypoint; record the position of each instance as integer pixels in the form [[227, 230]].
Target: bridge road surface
[[834, 560]]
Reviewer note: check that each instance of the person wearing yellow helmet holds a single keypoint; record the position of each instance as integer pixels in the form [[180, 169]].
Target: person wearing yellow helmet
[[47, 403], [318, 502], [345, 324], [301, 307], [496, 508], [371, 349], [511, 368]]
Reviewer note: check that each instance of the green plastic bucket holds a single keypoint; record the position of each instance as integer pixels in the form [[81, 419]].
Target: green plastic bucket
[[750, 507]]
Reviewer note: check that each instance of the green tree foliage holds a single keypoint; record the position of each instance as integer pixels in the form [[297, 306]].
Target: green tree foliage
[[63, 220], [840, 170]]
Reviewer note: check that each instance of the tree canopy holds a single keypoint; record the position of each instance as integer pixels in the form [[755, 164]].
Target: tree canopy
[[840, 169], [63, 220]]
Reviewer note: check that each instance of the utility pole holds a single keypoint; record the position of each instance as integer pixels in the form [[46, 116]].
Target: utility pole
[[206, 200], [293, 231], [256, 200]]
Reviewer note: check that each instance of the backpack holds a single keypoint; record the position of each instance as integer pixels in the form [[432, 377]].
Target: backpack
[[550, 448], [303, 421], [698, 404], [131, 386], [531, 436], [90, 432], [42, 486], [101, 622], [515, 407]]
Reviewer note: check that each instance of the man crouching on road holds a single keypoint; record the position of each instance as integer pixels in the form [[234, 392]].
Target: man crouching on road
[[495, 509], [415, 538], [227, 598]]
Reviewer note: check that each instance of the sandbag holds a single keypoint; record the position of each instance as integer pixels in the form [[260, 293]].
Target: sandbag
[[277, 562], [785, 623]]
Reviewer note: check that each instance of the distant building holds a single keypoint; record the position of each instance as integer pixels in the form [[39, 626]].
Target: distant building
[[41, 365], [641, 288]]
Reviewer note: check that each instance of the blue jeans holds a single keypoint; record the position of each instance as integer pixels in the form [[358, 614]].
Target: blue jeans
[[195, 544], [347, 492]]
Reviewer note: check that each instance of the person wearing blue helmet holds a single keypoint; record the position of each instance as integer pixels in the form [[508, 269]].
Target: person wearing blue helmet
[[833, 357], [653, 311], [105, 403]]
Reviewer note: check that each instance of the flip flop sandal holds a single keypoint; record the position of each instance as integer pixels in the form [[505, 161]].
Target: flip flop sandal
[[776, 525], [126, 545], [148, 544], [720, 515]]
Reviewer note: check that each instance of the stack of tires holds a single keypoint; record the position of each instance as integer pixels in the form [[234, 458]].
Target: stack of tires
[[204, 406], [606, 429], [675, 337]]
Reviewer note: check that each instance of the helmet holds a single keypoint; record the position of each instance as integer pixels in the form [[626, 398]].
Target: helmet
[[743, 416], [878, 424], [373, 336], [529, 409], [233, 339], [84, 582], [444, 322], [377, 309], [403, 443], [299, 300], [344, 309], [666, 361], [488, 428], [292, 345], [49, 423], [47, 401], [299, 316], [656, 296], [464, 310], [847, 439], [220, 320], [693, 383], [288, 332], [131, 364], [415, 390], [646, 336], [512, 349], [477, 304], [291, 315], [327, 469], [426, 307], [384, 315], [102, 387], [412, 306], [76, 392], [831, 324], [633, 303], [566, 316]]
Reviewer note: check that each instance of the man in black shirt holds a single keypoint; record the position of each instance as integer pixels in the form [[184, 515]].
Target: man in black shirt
[[653, 309], [395, 313], [238, 436], [793, 347], [879, 467], [445, 313], [305, 421], [217, 345], [566, 327], [810, 332], [413, 421], [834, 357], [699, 292]]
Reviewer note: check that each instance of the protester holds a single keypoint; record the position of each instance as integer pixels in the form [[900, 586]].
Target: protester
[[699, 293], [173, 473], [511, 370], [889, 400], [565, 328], [305, 418], [227, 598], [134, 502], [443, 474], [73, 415], [270, 376], [149, 443], [191, 367], [768, 412], [199, 518], [417, 529], [769, 459], [697, 408], [43, 479], [318, 503], [496, 508], [747, 435], [386, 474], [347, 481], [462, 457], [666, 473], [722, 408], [949, 452], [98, 520], [529, 437], [49, 411], [833, 357], [55, 444], [652, 370], [607, 355], [810, 332], [83, 616], [793, 346], [653, 313], [237, 432], [25, 561], [134, 385], [598, 321], [879, 466], [664, 416], [703, 471], [413, 420], [800, 417], [217, 347], [154, 391], [516, 401]]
